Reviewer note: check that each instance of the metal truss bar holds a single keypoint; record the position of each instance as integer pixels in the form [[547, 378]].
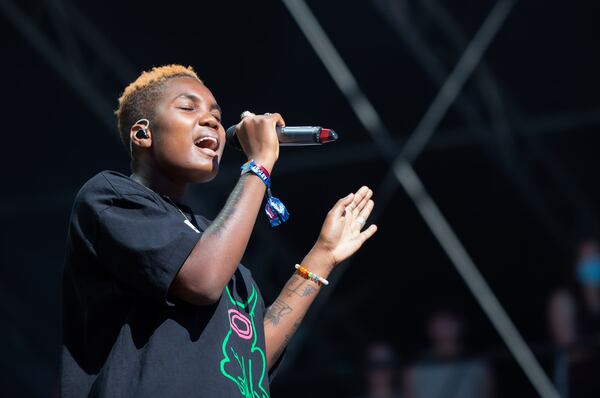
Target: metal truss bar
[[65, 69], [474, 280], [102, 47], [496, 141], [338, 156], [78, 81], [426, 206], [455, 81], [62, 25], [342, 76]]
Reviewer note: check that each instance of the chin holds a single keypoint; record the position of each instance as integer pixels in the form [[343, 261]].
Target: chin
[[204, 175], [204, 178]]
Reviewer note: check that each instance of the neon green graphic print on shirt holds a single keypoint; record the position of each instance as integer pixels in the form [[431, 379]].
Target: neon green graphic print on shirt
[[237, 366]]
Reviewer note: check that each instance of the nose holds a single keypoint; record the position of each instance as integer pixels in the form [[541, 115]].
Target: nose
[[209, 120]]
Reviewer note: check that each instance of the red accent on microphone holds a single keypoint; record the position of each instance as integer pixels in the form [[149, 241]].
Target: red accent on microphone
[[327, 135]]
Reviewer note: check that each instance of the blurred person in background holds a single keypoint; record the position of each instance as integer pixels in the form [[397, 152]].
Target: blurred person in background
[[381, 371], [445, 371], [574, 326]]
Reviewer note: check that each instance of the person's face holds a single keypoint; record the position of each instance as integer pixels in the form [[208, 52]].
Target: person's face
[[188, 138], [587, 266], [444, 329]]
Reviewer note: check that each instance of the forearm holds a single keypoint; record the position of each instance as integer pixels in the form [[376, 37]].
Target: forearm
[[285, 314], [215, 257], [339, 238]]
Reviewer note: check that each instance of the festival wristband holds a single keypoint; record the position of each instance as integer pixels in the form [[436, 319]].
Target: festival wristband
[[255, 168], [274, 208]]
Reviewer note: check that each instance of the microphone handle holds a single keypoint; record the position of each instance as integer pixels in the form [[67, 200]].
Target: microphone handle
[[292, 136], [298, 135]]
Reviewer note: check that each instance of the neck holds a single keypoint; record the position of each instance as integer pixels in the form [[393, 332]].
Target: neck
[[159, 183]]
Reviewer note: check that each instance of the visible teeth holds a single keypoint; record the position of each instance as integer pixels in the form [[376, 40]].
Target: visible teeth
[[213, 143]]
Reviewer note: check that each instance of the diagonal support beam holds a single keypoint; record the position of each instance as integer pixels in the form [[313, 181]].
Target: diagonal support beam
[[413, 186], [455, 82], [67, 70]]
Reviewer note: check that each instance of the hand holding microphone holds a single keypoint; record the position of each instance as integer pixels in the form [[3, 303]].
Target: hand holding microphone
[[260, 137], [289, 136], [256, 136]]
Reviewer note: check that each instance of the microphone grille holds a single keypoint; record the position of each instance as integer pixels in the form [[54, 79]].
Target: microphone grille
[[230, 133], [231, 139]]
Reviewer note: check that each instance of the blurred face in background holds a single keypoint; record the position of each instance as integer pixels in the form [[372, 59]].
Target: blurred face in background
[[381, 369], [587, 272], [445, 332], [561, 315]]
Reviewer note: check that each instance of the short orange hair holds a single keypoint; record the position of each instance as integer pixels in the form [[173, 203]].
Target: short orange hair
[[139, 97]]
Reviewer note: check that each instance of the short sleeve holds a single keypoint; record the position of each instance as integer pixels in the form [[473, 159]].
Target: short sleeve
[[143, 244]]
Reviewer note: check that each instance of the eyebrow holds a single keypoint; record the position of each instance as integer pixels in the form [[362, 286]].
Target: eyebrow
[[197, 99]]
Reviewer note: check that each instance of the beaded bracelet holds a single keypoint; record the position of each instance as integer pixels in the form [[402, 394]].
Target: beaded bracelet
[[274, 208], [306, 274]]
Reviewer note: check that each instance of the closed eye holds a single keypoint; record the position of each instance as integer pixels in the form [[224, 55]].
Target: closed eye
[[218, 117]]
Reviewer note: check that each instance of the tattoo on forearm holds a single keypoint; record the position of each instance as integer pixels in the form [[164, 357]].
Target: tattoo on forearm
[[276, 311], [300, 287], [280, 349], [219, 223], [286, 340]]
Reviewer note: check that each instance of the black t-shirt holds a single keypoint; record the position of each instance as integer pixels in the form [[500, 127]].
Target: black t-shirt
[[123, 335]]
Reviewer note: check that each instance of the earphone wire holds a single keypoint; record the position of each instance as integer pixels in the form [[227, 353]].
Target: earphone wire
[[147, 123]]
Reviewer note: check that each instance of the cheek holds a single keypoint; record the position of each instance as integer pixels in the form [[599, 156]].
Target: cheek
[[173, 148], [222, 141]]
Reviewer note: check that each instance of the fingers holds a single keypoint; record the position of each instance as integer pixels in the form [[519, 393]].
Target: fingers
[[277, 118], [258, 138], [246, 114], [363, 202], [361, 197], [359, 220], [367, 233], [356, 204], [366, 211], [274, 117], [341, 204]]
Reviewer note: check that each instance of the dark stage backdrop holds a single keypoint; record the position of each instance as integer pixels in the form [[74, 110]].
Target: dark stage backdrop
[[519, 197]]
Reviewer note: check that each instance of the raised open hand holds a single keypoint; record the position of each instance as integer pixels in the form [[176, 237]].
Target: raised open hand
[[342, 233]]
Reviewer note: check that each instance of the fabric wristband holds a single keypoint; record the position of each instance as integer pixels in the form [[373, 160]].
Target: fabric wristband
[[274, 208]]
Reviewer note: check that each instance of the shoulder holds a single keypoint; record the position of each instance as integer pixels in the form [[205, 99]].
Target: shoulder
[[112, 183], [108, 187]]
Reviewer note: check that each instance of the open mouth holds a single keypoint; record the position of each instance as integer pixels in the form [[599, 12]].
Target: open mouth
[[207, 142]]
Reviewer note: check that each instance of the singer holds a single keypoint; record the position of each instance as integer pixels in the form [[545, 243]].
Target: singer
[[156, 302]]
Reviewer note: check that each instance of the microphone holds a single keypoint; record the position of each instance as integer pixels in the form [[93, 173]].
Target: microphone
[[291, 136]]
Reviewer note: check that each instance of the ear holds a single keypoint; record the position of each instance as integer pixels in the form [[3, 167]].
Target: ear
[[140, 141]]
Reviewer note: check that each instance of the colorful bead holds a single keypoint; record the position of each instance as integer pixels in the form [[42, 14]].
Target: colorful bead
[[306, 274]]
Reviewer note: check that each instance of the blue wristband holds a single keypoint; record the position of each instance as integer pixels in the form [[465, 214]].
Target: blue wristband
[[274, 208], [255, 168]]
